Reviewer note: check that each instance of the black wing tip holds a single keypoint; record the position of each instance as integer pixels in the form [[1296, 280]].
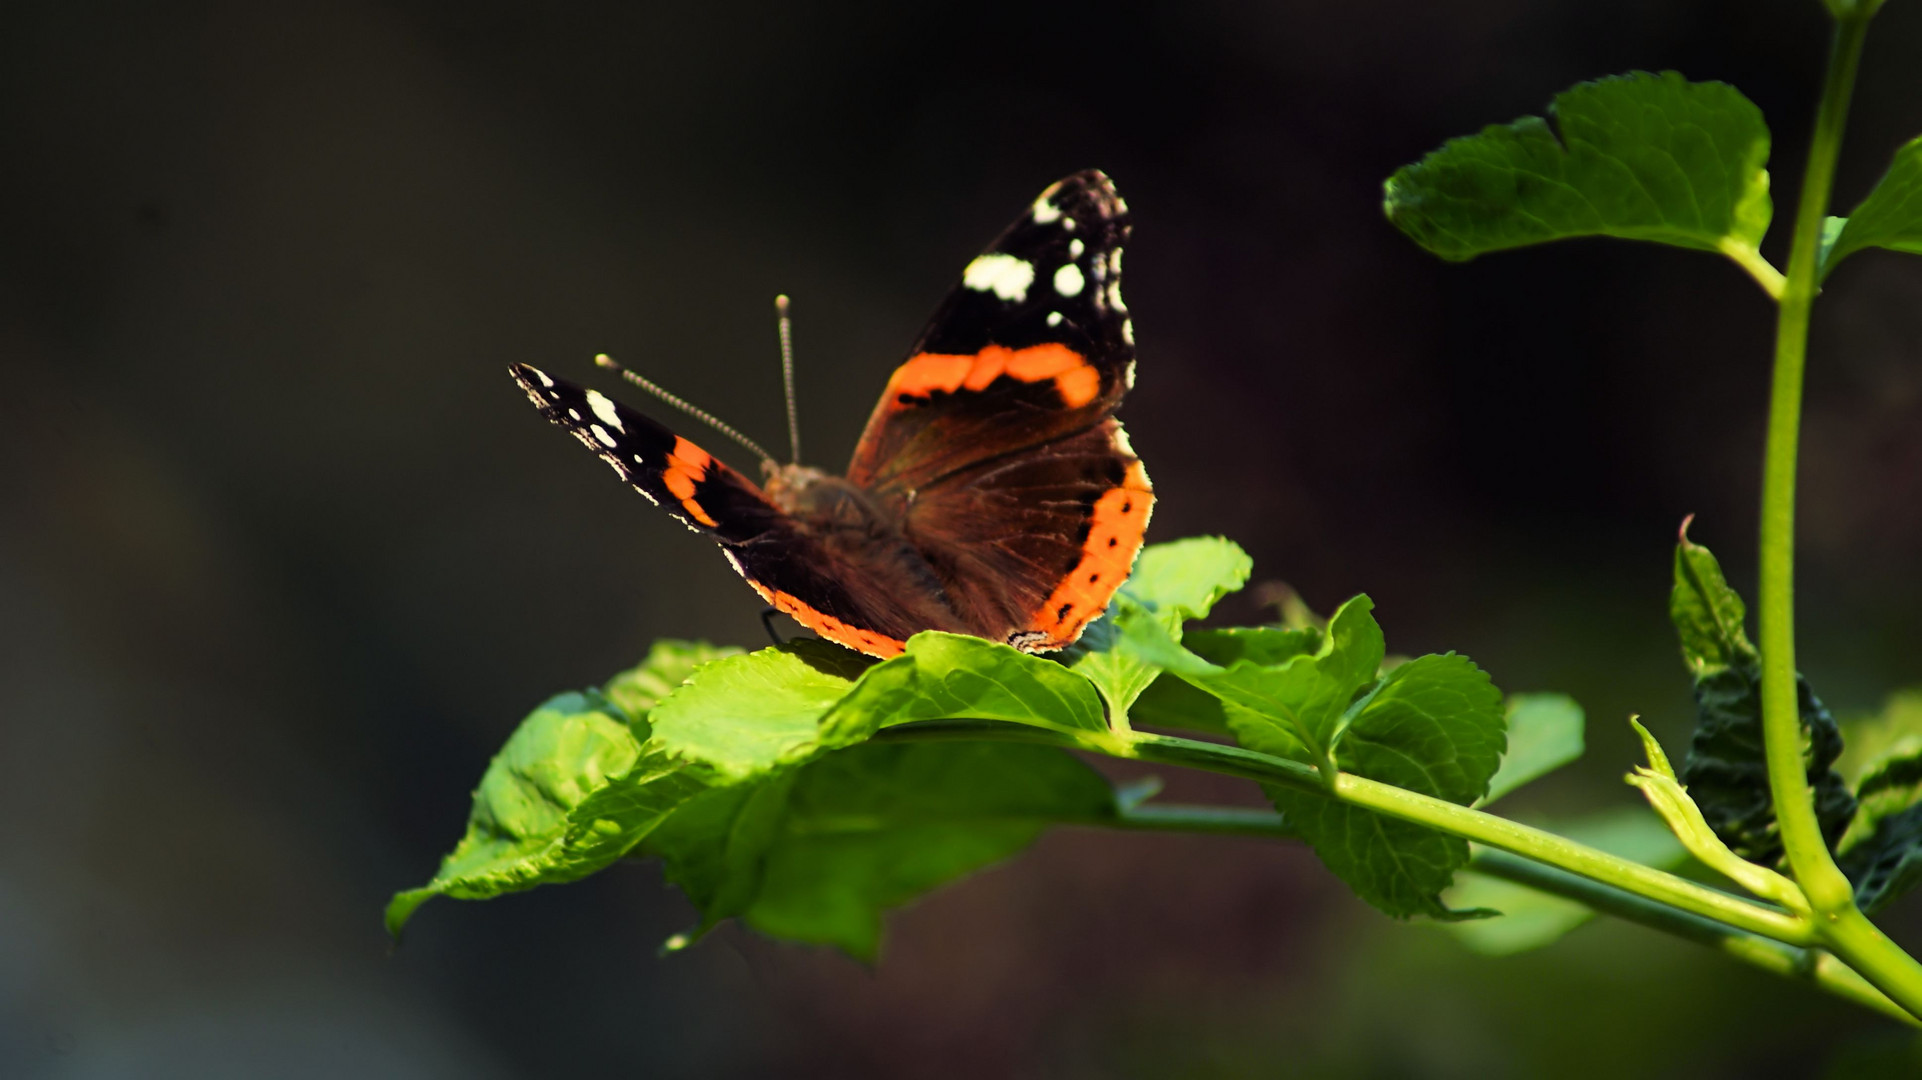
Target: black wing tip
[[1089, 193]]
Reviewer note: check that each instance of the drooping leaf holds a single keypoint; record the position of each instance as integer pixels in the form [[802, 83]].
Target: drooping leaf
[[570, 792], [1636, 156], [1434, 725], [1891, 217], [1726, 771], [1544, 734], [1171, 583], [1882, 850], [943, 676], [866, 829], [715, 845], [667, 665], [1531, 918]]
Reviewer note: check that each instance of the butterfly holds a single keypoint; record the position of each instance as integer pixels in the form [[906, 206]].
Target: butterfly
[[992, 493]]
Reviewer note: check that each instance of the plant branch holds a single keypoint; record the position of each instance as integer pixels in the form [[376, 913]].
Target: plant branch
[[1838, 921], [1811, 965], [1438, 814]]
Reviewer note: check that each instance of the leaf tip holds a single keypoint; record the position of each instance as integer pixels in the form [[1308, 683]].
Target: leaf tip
[[402, 907]]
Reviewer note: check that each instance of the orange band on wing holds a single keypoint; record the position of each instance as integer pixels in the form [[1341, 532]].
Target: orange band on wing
[[828, 626], [686, 467], [1115, 533], [925, 373]]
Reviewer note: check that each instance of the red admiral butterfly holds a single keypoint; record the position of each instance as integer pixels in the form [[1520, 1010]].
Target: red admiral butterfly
[[993, 492]]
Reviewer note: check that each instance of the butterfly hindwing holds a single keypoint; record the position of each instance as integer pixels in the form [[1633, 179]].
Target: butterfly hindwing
[[1034, 544]]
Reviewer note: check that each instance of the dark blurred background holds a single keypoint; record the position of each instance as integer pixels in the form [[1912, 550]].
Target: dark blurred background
[[284, 555]]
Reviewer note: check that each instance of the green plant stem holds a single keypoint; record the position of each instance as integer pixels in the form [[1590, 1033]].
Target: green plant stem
[[1438, 814], [1814, 966], [1811, 965], [1838, 922]]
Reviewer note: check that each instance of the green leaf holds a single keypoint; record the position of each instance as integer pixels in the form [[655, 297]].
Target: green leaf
[[570, 792], [946, 676], [1891, 217], [1636, 156], [1726, 771], [1296, 709], [715, 845], [667, 665], [1544, 734], [1171, 584], [1172, 702], [747, 715], [1530, 918], [1882, 850], [867, 829], [1434, 725]]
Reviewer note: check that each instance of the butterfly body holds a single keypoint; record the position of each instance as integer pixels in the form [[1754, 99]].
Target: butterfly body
[[993, 492]]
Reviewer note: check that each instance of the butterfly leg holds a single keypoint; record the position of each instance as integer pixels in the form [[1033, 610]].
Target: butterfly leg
[[767, 620]]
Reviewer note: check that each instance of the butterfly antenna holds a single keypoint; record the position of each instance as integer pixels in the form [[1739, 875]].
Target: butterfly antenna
[[685, 406], [787, 377]]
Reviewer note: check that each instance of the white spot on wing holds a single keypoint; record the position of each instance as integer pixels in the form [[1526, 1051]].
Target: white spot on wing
[[639, 460], [575, 414], [1120, 441], [542, 376], [601, 434], [1075, 248], [1128, 335], [1114, 295], [1045, 212], [1004, 275], [1068, 280], [1128, 376], [604, 409], [1054, 318]]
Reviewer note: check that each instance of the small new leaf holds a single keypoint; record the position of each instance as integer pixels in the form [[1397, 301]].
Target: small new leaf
[[1171, 583], [1727, 770], [1636, 156], [1891, 217]]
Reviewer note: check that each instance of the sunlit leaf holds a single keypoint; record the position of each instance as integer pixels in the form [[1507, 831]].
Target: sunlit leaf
[[743, 716], [867, 829], [667, 665], [570, 792], [942, 676], [1171, 583], [1636, 156]]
